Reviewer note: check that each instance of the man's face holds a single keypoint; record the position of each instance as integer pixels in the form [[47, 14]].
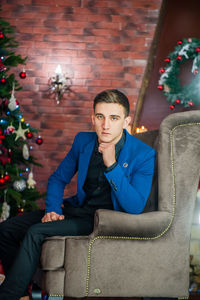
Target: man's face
[[109, 120]]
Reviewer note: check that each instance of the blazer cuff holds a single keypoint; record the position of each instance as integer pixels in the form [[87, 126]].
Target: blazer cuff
[[111, 167]]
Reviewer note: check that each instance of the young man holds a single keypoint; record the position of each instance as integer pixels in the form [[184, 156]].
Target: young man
[[115, 171]]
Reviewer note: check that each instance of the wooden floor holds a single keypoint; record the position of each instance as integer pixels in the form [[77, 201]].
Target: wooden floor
[[192, 297], [103, 298]]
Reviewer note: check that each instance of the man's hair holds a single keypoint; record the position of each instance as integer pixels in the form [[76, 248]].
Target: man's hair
[[113, 96]]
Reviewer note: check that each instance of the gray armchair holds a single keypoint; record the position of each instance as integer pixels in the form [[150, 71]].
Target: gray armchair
[[144, 255]]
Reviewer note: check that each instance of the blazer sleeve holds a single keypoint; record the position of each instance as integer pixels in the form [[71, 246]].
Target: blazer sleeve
[[60, 178], [131, 190]]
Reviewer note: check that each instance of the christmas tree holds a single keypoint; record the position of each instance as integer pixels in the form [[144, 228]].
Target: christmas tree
[[17, 186]]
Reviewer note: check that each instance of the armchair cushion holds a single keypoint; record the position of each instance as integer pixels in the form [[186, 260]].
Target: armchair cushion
[[144, 226]]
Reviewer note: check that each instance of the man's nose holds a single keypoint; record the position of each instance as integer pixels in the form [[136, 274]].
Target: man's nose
[[106, 123]]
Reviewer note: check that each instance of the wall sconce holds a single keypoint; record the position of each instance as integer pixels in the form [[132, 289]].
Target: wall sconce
[[59, 84]]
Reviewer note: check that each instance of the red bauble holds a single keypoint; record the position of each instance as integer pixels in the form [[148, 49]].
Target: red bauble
[[11, 130], [39, 140], [179, 57], [196, 72], [2, 180], [178, 101], [162, 70], [160, 87], [197, 49], [22, 74], [1, 35], [180, 42], [190, 103], [167, 59], [7, 177], [3, 80], [172, 107], [29, 135]]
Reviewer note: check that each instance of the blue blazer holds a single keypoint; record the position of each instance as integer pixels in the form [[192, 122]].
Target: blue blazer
[[130, 180]]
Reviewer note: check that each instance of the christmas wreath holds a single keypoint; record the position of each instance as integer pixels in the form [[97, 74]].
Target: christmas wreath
[[169, 83]]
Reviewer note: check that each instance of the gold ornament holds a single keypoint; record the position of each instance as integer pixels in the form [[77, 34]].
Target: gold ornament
[[20, 132]]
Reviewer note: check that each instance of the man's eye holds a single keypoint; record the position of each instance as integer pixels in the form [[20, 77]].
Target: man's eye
[[114, 118], [99, 117]]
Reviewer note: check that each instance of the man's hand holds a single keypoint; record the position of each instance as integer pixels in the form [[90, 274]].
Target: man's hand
[[52, 216], [108, 153]]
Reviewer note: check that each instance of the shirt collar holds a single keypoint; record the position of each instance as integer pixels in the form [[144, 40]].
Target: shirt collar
[[118, 146]]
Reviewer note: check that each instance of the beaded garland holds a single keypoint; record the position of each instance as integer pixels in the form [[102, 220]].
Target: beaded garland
[[169, 83]]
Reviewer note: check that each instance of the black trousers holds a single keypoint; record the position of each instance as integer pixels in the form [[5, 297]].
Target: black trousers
[[21, 241]]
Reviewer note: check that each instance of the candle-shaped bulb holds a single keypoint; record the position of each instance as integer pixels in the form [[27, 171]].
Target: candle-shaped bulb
[[58, 70]]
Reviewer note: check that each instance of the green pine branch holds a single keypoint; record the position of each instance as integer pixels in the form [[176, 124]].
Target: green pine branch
[[12, 161]]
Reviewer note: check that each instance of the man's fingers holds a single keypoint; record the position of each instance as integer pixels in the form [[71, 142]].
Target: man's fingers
[[46, 218], [103, 146], [52, 216]]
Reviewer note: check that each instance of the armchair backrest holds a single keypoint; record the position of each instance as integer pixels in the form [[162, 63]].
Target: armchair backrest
[[177, 168]]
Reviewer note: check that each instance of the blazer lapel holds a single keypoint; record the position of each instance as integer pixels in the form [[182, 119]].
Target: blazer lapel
[[84, 160], [124, 154]]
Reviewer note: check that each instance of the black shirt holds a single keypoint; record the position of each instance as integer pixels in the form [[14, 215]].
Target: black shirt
[[96, 186]]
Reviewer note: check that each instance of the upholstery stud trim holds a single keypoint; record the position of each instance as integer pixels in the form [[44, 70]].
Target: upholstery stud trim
[[56, 295]]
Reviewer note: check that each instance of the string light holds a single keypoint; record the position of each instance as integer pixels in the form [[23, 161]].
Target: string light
[[141, 129]]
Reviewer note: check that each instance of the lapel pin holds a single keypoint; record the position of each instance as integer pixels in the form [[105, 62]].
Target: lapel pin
[[125, 165]]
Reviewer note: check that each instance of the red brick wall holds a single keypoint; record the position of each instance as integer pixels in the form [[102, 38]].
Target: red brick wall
[[99, 44]]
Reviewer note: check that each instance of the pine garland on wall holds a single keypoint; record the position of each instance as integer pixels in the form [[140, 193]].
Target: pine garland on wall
[[169, 83]]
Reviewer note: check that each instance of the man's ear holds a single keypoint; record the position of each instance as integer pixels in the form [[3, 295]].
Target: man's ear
[[92, 117], [127, 121]]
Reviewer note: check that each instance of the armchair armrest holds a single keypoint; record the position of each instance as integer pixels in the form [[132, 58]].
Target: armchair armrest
[[115, 223]]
